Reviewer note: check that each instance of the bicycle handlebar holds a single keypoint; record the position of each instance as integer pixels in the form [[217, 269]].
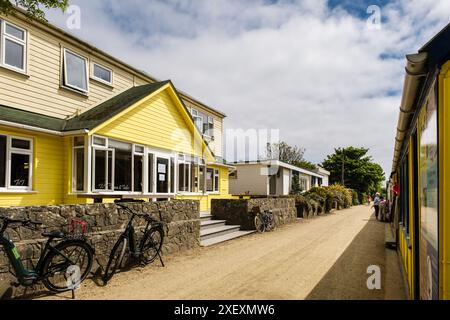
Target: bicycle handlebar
[[25, 222], [140, 215]]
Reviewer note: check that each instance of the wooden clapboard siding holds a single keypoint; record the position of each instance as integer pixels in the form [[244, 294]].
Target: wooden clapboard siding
[[48, 171], [157, 122], [40, 90]]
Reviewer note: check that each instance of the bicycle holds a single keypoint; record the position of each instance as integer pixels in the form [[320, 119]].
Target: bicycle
[[145, 252], [58, 266], [264, 221]]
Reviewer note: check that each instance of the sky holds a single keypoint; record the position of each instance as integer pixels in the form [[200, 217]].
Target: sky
[[314, 69]]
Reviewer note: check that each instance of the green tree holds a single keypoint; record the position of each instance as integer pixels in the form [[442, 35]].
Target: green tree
[[285, 153], [355, 169], [33, 8], [305, 164]]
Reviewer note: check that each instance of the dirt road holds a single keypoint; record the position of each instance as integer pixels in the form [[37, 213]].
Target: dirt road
[[322, 258]]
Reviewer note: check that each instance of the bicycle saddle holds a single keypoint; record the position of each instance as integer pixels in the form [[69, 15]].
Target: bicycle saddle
[[54, 234]]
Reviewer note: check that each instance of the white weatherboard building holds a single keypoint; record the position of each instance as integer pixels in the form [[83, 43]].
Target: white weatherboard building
[[273, 178]]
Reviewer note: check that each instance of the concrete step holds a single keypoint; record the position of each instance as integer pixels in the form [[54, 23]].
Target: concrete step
[[209, 224], [206, 234], [226, 237], [205, 216]]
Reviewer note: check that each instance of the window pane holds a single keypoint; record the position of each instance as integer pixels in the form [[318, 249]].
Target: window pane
[[194, 177], [139, 149], [100, 141], [109, 185], [78, 141], [122, 170], [21, 144], [100, 169], [172, 175], [76, 71], [209, 180], [216, 181], [150, 173], [162, 168], [20, 170], [118, 145], [2, 161], [102, 73], [202, 179], [14, 54], [138, 176], [15, 32], [79, 169]]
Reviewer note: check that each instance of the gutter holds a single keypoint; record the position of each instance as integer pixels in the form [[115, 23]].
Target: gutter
[[416, 70], [41, 130]]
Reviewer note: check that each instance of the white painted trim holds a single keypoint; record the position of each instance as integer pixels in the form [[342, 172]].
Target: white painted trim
[[65, 83], [23, 43], [111, 84], [9, 151], [41, 130]]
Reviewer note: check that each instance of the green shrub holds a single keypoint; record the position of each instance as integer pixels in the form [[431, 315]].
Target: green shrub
[[326, 195], [342, 195], [355, 199]]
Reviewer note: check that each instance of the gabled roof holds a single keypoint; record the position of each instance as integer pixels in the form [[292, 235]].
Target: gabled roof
[[108, 109], [96, 116], [88, 120]]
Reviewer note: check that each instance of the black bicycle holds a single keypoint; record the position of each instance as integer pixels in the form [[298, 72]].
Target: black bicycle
[[264, 221], [148, 249], [61, 268]]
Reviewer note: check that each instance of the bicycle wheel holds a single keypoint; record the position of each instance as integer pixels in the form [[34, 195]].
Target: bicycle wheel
[[151, 245], [271, 225], [259, 224], [67, 267], [115, 259]]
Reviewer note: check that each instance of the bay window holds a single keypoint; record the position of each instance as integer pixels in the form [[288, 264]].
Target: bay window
[[123, 168], [13, 46], [16, 161]]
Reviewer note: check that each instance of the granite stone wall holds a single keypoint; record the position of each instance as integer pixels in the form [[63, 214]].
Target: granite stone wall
[[106, 222], [242, 212]]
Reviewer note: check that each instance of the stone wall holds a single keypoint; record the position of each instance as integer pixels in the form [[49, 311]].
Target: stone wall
[[106, 222], [241, 212]]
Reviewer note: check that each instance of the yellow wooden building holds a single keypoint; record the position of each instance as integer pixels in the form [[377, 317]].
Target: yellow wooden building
[[421, 175], [79, 126]]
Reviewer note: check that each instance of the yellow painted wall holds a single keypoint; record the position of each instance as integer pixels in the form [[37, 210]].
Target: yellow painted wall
[[444, 181], [158, 122], [48, 171]]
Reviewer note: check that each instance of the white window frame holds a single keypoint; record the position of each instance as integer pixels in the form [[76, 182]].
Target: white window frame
[[140, 154], [24, 42], [107, 180], [93, 76], [65, 83], [9, 151], [155, 163], [182, 160], [74, 169]]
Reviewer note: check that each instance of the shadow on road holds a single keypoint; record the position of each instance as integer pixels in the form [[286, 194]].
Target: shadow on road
[[347, 278]]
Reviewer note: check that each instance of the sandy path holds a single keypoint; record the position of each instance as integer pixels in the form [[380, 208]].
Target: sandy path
[[290, 263]]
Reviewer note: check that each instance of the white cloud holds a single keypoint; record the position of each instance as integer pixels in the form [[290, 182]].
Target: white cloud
[[317, 75]]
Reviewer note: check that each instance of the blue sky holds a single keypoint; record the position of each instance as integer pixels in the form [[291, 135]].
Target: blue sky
[[311, 68]]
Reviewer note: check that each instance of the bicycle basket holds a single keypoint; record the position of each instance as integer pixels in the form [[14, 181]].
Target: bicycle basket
[[77, 229]]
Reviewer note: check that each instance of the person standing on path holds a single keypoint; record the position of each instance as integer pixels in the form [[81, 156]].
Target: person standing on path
[[376, 205]]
